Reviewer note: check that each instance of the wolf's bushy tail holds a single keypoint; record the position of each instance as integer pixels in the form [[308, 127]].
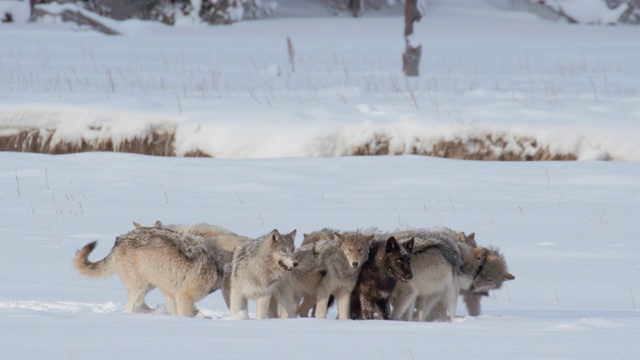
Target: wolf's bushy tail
[[100, 268]]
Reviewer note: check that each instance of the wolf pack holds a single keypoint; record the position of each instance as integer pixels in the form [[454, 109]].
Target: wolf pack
[[406, 275]]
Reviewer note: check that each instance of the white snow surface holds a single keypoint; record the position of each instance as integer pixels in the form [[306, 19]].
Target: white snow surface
[[568, 230]]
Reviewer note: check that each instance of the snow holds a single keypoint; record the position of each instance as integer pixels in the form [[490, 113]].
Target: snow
[[588, 11], [567, 229]]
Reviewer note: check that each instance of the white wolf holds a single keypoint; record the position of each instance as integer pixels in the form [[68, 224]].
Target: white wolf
[[257, 268]]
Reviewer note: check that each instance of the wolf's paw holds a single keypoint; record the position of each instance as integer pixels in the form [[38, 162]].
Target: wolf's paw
[[241, 315]]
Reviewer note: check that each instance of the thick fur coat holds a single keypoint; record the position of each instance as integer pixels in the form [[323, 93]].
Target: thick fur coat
[[150, 257]]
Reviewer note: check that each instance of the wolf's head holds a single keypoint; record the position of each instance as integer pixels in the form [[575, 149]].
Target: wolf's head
[[491, 270], [355, 247], [282, 248], [467, 239], [316, 236], [157, 225], [397, 258]]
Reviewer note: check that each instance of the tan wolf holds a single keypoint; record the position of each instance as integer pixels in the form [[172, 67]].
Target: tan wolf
[[150, 257], [330, 262], [257, 268]]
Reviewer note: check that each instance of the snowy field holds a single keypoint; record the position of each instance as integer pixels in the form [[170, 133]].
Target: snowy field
[[568, 229]]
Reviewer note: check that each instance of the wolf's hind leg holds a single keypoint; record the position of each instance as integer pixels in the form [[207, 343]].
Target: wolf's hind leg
[[135, 296]]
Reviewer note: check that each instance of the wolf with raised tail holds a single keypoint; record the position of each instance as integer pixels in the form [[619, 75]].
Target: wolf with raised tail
[[150, 257]]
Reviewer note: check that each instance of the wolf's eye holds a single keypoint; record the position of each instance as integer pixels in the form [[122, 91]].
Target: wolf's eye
[[349, 249], [490, 280], [359, 251]]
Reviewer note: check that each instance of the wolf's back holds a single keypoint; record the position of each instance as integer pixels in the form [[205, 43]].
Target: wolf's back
[[100, 268]]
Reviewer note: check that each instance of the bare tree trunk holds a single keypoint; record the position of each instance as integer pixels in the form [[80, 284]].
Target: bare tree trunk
[[412, 53], [357, 7]]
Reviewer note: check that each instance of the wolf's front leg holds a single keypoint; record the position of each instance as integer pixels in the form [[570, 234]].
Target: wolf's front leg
[[344, 303], [403, 306], [322, 304], [472, 300], [237, 304], [287, 304], [185, 305], [262, 306]]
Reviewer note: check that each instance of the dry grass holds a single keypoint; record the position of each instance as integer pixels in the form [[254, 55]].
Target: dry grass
[[478, 148], [39, 141], [162, 143]]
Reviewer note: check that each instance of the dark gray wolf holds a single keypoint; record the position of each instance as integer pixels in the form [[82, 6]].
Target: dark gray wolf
[[257, 268], [330, 262], [150, 257], [388, 262]]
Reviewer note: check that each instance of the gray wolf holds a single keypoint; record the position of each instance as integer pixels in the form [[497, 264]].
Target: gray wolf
[[482, 269], [388, 262], [150, 257], [330, 262], [435, 265], [257, 268]]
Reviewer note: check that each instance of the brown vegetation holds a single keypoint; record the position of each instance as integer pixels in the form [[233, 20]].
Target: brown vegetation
[[162, 143]]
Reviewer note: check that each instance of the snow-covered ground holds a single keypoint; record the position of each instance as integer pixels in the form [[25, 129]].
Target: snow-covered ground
[[568, 230]]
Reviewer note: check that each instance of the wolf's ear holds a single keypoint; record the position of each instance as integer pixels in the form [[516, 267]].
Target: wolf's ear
[[304, 236], [338, 237], [508, 276], [472, 236], [158, 224], [460, 236], [392, 245], [369, 238], [409, 245], [136, 225], [292, 234], [274, 236]]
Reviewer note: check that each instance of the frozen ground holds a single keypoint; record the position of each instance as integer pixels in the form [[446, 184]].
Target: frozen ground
[[568, 230]]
